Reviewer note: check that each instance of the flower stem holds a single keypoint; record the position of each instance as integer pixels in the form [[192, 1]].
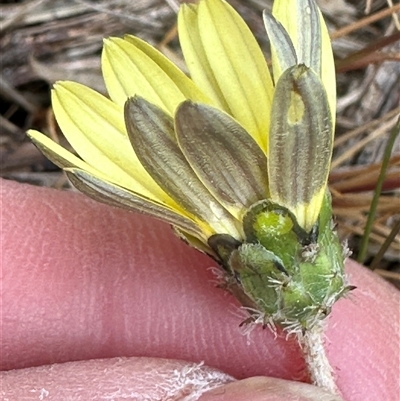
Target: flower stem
[[321, 372]]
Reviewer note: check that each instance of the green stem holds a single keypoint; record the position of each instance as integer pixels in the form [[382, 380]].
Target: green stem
[[374, 204]]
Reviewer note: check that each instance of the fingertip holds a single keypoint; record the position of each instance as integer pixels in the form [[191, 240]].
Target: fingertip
[[363, 337], [85, 280], [82, 280]]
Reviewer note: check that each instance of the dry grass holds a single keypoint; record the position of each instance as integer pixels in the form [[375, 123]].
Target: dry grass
[[43, 41]]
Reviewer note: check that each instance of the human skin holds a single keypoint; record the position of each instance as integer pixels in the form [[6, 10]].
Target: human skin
[[87, 283]]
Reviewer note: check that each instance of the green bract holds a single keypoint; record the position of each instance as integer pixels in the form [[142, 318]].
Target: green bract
[[290, 276]]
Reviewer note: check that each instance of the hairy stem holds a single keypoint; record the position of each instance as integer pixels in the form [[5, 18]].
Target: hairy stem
[[321, 372]]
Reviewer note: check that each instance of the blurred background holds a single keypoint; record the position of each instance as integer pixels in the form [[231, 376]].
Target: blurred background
[[43, 41]]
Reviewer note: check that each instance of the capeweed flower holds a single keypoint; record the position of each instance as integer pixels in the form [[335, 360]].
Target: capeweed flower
[[235, 160]]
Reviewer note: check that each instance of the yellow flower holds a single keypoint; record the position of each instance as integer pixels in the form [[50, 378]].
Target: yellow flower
[[198, 152]]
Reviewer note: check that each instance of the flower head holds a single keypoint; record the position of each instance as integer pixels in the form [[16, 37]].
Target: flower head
[[235, 160], [194, 151]]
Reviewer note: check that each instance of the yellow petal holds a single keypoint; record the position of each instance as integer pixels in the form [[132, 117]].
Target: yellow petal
[[225, 60], [328, 72], [129, 71], [181, 80], [195, 57], [290, 13], [94, 126], [65, 159], [57, 154], [283, 54], [223, 155], [152, 133], [301, 144], [109, 193]]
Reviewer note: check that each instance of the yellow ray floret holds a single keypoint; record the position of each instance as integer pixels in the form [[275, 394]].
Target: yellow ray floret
[[224, 59], [290, 13], [131, 68]]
